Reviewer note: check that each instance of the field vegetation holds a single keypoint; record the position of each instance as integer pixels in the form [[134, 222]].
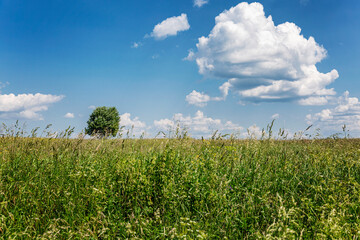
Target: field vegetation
[[178, 188]]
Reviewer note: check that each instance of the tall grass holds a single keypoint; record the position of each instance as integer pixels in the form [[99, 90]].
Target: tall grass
[[179, 188]]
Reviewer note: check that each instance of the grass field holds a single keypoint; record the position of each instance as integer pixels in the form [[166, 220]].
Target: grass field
[[179, 188]]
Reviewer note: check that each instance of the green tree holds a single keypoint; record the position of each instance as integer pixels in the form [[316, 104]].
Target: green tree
[[103, 122]]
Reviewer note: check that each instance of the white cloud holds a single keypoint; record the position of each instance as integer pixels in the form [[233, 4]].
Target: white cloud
[[347, 111], [164, 124], [171, 27], [155, 56], [92, 107], [314, 101], [69, 115], [197, 98], [253, 132], [224, 90], [135, 125], [2, 85], [198, 125], [262, 61], [25, 106], [200, 3], [201, 99], [275, 116], [190, 56], [136, 44]]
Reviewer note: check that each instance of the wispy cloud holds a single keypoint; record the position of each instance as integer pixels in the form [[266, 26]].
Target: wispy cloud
[[200, 3], [136, 44], [155, 56], [275, 116]]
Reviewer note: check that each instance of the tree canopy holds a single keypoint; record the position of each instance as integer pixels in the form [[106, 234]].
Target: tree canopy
[[103, 122]]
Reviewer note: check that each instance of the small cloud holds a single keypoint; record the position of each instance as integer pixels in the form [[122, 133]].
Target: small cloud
[[155, 56], [136, 44], [275, 116], [69, 115], [170, 27], [92, 107], [253, 132], [197, 98], [190, 56], [201, 99], [200, 3], [133, 125], [2, 85], [224, 89]]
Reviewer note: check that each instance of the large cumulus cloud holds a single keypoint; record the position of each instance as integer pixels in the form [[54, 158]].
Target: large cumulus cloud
[[262, 61]]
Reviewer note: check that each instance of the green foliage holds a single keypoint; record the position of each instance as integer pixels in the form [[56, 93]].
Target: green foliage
[[179, 189], [103, 122]]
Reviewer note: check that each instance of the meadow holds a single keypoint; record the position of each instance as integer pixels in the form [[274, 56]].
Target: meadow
[[179, 188]]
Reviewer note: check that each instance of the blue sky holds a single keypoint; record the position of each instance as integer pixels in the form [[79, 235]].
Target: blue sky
[[58, 59]]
